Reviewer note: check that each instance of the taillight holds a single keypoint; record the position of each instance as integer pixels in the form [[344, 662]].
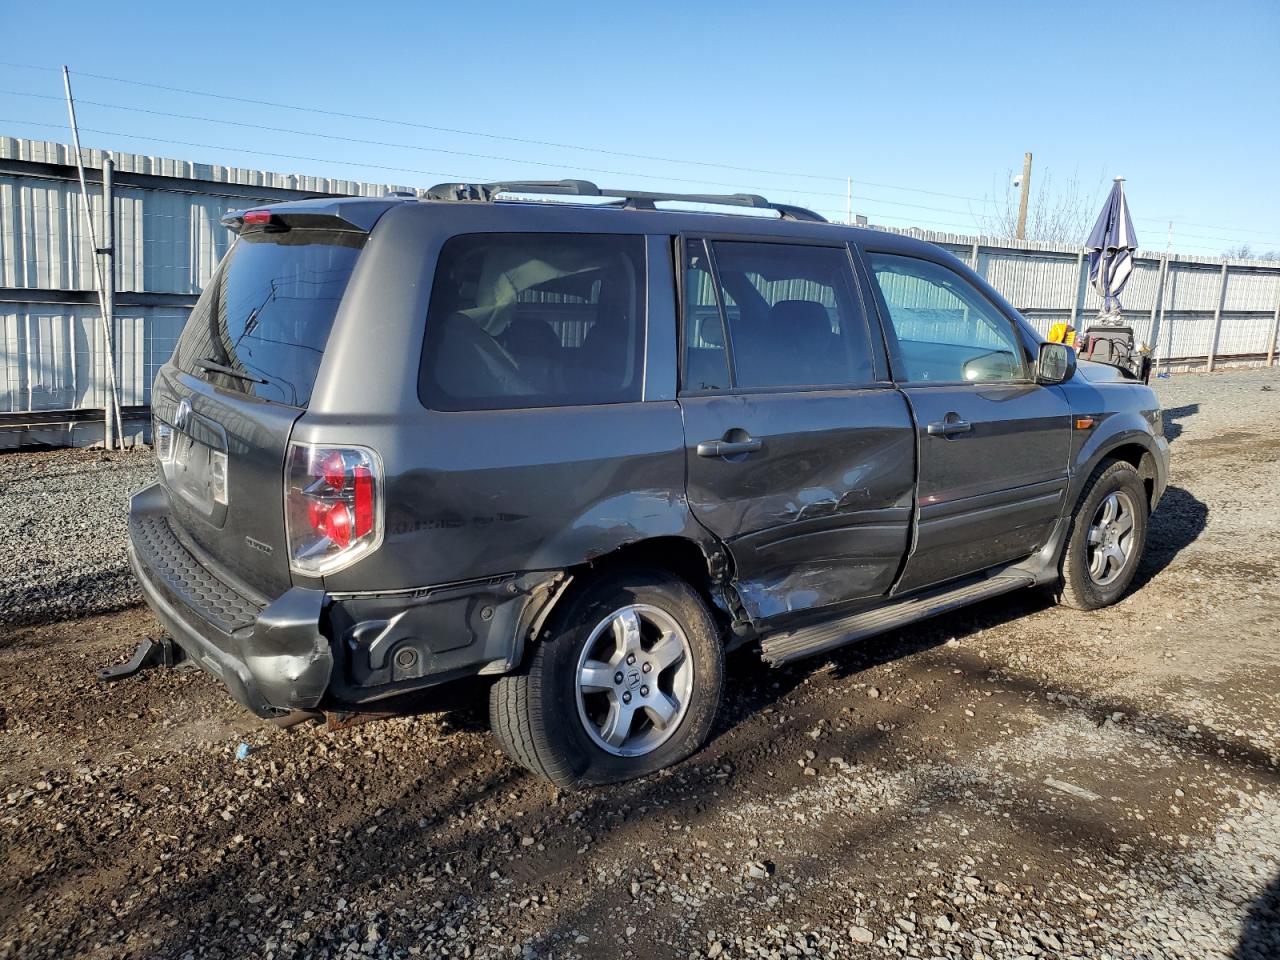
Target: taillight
[[333, 506]]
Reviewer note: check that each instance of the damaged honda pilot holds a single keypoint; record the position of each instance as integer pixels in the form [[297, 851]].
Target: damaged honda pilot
[[585, 448]]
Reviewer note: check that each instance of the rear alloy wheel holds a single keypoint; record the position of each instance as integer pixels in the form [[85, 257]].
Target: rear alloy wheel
[[635, 680], [1107, 537], [624, 681]]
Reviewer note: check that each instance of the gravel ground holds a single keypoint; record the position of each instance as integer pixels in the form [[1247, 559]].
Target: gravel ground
[[1014, 780], [62, 528]]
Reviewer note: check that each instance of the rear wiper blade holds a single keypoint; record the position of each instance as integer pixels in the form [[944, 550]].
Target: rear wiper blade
[[214, 367]]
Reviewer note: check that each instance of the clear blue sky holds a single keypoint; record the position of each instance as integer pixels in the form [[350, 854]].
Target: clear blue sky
[[1182, 98]]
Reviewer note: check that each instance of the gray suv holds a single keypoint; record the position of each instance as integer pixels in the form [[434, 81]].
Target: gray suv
[[586, 448]]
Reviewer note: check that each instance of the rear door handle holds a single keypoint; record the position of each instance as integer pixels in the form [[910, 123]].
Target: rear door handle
[[728, 448], [947, 428]]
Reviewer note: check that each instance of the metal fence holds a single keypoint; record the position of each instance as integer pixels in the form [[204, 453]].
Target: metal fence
[[1193, 311]]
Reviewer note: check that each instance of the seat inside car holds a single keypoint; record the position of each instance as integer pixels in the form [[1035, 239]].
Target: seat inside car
[[793, 346]]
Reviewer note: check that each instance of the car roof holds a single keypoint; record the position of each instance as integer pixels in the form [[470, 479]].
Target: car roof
[[557, 215]]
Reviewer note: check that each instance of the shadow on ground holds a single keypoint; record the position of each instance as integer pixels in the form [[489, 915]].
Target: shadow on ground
[[1173, 417], [1260, 938], [1177, 523]]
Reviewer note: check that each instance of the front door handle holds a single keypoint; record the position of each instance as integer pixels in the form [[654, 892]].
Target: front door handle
[[728, 448], [949, 427]]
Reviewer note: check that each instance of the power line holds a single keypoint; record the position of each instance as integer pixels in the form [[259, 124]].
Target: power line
[[461, 153], [510, 139], [546, 143], [378, 166]]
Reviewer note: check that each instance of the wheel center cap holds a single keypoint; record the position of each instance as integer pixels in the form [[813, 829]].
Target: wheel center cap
[[633, 679]]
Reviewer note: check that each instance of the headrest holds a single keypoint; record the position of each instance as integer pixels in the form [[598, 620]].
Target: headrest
[[710, 330], [531, 336], [806, 319]]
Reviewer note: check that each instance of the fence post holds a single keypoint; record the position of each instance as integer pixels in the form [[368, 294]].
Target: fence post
[[109, 294], [973, 256], [1076, 294], [1217, 317], [1275, 326], [1157, 304]]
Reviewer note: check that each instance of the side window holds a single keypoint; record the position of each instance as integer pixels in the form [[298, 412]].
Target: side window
[[706, 365], [945, 329], [535, 320], [793, 317]]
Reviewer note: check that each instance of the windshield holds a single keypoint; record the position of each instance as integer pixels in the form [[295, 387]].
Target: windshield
[[262, 323]]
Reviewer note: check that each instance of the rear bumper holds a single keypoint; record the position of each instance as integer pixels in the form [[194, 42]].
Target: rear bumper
[[272, 657], [307, 648]]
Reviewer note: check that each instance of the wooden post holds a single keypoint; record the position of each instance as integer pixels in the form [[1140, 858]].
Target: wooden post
[[1217, 317], [973, 256], [1026, 195]]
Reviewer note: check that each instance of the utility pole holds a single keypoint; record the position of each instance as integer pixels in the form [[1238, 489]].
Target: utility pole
[[848, 200], [1026, 193]]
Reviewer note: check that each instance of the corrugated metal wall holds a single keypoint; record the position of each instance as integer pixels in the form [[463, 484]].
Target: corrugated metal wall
[[170, 239]]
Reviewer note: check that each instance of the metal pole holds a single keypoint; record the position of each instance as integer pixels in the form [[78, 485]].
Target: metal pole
[[1217, 316], [1155, 304], [113, 404], [1275, 329], [1167, 304], [1075, 298], [109, 287], [1026, 194], [848, 200]]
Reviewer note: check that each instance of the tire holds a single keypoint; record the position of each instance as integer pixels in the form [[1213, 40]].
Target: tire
[[544, 715], [1084, 585]]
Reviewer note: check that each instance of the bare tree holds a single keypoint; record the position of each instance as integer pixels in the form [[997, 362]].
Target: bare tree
[[1244, 251], [1055, 214]]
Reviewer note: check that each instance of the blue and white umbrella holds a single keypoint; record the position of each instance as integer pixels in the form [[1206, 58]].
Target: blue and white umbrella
[[1111, 245]]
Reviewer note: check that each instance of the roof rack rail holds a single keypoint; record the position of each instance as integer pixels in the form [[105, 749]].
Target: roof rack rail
[[632, 199]]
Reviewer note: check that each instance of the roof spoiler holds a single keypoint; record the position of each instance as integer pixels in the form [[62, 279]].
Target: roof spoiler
[[631, 199], [325, 213]]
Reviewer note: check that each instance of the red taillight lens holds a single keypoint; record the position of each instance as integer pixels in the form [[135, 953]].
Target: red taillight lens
[[334, 470], [337, 525], [333, 506], [363, 500], [257, 216], [317, 515]]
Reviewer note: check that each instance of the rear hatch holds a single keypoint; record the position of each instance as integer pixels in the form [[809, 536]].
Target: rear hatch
[[241, 375]]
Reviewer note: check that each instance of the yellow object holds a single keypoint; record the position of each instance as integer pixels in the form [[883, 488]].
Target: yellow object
[[1062, 333]]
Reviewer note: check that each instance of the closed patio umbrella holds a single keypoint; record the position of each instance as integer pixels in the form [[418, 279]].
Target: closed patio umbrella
[[1111, 245]]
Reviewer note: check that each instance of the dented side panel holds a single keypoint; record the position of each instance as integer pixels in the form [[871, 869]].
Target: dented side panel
[[821, 514]]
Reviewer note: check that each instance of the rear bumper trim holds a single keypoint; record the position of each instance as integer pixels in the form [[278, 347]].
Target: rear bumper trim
[[278, 660]]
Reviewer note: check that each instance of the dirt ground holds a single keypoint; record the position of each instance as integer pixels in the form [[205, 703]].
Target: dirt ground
[[1013, 780]]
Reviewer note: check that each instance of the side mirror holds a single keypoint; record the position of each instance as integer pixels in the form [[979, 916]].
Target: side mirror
[[1056, 364]]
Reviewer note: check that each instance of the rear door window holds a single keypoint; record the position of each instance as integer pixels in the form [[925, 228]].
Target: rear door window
[[266, 314], [535, 320], [792, 316]]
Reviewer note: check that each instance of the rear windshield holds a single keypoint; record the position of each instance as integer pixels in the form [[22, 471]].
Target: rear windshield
[[267, 312]]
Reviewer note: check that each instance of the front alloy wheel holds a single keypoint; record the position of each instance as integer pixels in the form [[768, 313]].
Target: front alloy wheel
[[1107, 536], [1111, 538]]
